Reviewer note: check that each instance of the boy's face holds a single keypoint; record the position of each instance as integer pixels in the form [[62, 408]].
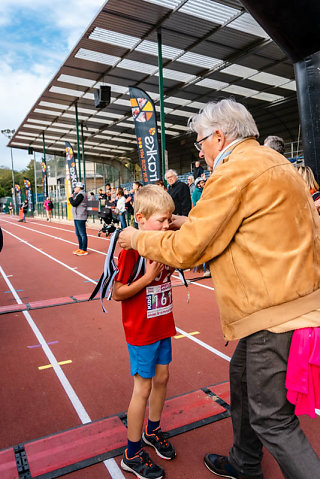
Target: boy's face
[[156, 222]]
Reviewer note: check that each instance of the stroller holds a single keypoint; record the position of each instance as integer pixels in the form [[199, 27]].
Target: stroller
[[110, 221]]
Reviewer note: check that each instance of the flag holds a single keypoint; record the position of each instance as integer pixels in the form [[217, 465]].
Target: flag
[[71, 176], [144, 116], [28, 188], [44, 178], [71, 166], [18, 193]]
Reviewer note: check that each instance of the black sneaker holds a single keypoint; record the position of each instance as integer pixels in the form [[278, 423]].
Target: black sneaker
[[142, 466], [157, 440], [221, 466]]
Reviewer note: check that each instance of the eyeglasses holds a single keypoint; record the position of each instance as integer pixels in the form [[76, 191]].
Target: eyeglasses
[[198, 145]]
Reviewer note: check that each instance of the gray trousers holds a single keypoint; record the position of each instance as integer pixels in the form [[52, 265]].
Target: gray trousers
[[261, 414]]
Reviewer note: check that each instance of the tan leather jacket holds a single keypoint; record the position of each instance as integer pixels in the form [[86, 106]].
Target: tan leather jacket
[[258, 227]]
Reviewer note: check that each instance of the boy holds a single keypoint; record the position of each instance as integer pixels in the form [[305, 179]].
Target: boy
[[148, 324]]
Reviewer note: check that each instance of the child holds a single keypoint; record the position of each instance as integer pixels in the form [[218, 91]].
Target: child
[[148, 324]]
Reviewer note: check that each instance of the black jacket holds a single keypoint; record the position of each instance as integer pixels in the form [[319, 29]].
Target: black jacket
[[180, 194], [197, 172]]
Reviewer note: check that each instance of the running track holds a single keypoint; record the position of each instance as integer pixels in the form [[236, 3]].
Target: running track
[[93, 381]]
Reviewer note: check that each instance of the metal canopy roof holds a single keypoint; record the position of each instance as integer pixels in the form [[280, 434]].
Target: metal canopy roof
[[211, 49]]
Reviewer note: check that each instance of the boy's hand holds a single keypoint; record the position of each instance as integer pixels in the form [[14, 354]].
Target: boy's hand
[[125, 236], [153, 269]]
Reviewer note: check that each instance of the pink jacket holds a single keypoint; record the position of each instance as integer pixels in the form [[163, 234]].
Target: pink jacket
[[303, 371]]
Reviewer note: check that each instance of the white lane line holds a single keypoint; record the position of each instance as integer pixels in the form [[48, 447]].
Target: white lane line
[[110, 464], [53, 237], [204, 345], [64, 229], [196, 284], [51, 257]]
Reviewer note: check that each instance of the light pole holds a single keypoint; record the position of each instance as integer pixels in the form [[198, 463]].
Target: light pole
[[9, 134]]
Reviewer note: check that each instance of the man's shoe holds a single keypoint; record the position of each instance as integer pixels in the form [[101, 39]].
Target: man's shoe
[[142, 466], [75, 251], [221, 466], [157, 440], [81, 253], [206, 274]]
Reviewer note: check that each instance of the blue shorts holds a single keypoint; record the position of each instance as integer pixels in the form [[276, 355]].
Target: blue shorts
[[143, 359]]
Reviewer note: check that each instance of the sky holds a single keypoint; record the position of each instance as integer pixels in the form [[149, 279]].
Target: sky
[[36, 36]]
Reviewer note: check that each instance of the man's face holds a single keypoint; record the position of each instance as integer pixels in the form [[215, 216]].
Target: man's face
[[211, 146], [77, 189], [171, 178], [156, 222], [197, 163], [190, 181]]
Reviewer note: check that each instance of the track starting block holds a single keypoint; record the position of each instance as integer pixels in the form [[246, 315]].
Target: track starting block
[[85, 445]]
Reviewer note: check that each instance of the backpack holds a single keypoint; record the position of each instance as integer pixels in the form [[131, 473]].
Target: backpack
[[50, 205]]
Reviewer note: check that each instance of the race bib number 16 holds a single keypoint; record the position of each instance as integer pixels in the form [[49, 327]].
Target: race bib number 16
[[159, 300]]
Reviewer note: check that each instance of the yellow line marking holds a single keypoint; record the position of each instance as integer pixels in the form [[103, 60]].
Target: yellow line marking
[[179, 336], [50, 365]]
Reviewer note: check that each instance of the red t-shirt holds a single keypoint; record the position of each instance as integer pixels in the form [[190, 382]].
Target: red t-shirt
[[147, 317]]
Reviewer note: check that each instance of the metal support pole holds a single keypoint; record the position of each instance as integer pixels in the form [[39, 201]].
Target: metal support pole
[[163, 133], [83, 159], [35, 177], [12, 173], [44, 158], [78, 141]]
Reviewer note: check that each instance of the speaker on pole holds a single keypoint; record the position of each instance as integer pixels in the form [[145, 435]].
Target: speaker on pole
[[102, 96]]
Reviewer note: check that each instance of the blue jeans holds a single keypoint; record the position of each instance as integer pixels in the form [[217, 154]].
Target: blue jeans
[[80, 227], [122, 220]]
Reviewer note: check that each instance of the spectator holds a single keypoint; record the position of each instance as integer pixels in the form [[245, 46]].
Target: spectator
[[276, 143], [160, 183], [257, 228], [129, 207], [92, 196], [179, 192], [79, 202], [199, 185], [25, 205], [48, 205], [308, 176], [191, 184], [198, 170], [121, 206]]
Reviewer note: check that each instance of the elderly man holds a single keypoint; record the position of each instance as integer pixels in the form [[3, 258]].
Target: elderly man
[[79, 202], [191, 184], [264, 256], [179, 192]]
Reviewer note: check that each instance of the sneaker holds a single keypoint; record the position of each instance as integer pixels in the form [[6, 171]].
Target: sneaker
[[142, 466], [81, 252], [76, 251], [207, 274], [221, 466], [157, 440]]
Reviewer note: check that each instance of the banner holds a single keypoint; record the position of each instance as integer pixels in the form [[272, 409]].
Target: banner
[[71, 175], [71, 166], [28, 188], [18, 193], [44, 178], [144, 116]]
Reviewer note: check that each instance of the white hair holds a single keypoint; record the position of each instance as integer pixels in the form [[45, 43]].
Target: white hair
[[171, 171], [227, 115]]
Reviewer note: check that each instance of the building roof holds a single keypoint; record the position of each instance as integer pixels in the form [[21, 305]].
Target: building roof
[[211, 49]]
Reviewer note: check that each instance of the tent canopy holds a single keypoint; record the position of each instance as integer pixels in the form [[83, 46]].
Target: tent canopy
[[211, 49]]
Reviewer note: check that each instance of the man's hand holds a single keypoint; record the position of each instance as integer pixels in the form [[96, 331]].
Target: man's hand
[[177, 221], [125, 236]]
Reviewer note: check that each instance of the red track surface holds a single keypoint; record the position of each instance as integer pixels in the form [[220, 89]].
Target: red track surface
[[34, 403]]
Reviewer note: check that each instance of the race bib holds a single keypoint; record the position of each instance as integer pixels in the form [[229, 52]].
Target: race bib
[[159, 300]]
